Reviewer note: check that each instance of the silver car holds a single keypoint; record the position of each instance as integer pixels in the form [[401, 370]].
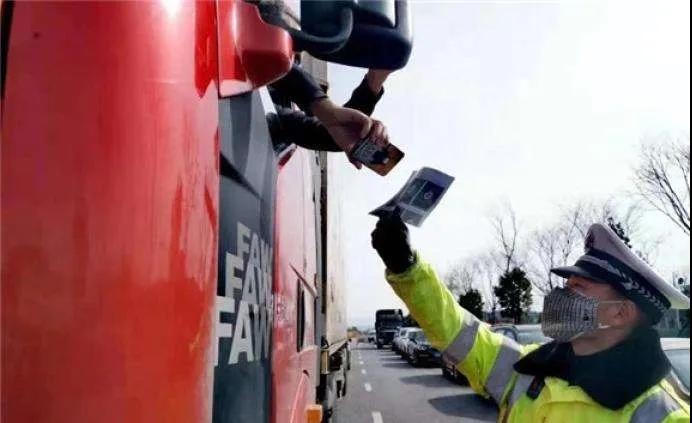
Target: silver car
[[522, 334], [399, 339], [678, 352], [405, 342]]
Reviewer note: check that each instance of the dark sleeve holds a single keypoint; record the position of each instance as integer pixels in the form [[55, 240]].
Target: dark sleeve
[[299, 87], [293, 126], [363, 99]]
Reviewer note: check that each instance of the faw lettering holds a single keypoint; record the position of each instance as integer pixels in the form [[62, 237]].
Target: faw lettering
[[242, 344], [247, 298]]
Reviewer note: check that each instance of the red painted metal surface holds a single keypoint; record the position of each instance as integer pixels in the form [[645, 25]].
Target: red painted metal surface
[[109, 212], [252, 53], [294, 370]]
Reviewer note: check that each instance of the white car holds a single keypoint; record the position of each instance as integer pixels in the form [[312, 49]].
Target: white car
[[405, 342], [399, 339]]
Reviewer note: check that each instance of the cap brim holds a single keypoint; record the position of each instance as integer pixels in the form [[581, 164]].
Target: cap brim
[[569, 271], [677, 299]]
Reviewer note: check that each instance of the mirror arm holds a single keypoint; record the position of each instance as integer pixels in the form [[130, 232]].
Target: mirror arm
[[324, 45]]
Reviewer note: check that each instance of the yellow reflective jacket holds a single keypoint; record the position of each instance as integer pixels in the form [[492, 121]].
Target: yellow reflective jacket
[[487, 360]]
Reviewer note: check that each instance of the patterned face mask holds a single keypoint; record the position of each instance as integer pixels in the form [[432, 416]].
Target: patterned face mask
[[568, 314]]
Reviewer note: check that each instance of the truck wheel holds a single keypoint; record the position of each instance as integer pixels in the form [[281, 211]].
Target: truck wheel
[[344, 387], [328, 416], [379, 346], [460, 379], [414, 360]]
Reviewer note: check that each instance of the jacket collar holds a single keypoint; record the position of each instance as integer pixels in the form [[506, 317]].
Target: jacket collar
[[613, 377]]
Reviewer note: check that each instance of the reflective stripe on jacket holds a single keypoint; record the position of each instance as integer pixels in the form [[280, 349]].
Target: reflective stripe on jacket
[[487, 360]]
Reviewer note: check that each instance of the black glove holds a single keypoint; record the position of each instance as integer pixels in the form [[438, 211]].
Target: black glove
[[390, 239]]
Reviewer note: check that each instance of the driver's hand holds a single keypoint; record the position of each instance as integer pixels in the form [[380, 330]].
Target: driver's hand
[[348, 126]]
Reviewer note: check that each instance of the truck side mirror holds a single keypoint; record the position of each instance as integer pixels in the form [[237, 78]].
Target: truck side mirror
[[326, 26], [363, 33]]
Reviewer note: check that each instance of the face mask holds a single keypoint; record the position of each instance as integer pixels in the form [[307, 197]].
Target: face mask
[[568, 314]]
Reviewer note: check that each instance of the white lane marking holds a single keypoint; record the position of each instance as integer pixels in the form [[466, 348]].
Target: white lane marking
[[377, 417], [363, 371], [361, 362], [368, 387]]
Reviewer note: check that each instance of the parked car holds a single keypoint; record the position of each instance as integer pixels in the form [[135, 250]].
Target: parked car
[[450, 372], [523, 334], [678, 352], [404, 340], [418, 351], [399, 339], [396, 339]]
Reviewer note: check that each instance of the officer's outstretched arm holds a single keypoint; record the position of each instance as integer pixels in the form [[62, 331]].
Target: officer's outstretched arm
[[484, 357]]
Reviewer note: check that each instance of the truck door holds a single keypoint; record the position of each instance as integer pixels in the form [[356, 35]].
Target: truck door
[[251, 54], [242, 372]]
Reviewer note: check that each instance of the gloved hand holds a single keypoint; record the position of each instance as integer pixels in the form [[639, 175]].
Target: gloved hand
[[391, 240]]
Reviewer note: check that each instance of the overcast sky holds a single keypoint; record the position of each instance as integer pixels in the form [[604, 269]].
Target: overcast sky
[[535, 103]]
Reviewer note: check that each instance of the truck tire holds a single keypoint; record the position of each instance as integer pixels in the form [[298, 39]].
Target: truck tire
[[344, 387], [329, 416], [379, 346]]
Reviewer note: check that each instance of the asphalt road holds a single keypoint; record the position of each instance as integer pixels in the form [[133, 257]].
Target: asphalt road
[[383, 388]]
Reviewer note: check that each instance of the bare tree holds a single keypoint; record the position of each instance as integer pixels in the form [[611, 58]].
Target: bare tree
[[561, 243], [662, 179], [478, 272], [460, 277], [506, 228], [550, 247], [489, 276], [583, 213]]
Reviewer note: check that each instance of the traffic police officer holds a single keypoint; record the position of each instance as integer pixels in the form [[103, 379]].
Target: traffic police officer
[[605, 363]]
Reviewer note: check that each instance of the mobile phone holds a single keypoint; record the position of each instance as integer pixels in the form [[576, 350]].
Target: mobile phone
[[381, 159]]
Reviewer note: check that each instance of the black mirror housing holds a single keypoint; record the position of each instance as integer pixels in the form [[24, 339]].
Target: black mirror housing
[[380, 37]]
